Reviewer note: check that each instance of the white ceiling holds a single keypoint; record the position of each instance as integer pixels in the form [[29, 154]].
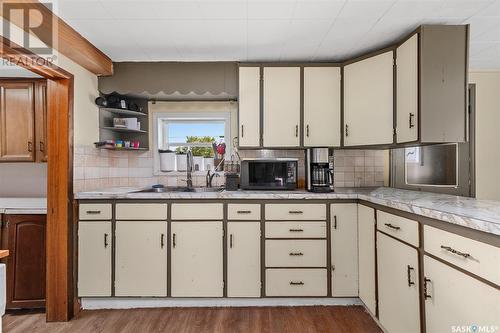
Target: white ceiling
[[272, 30]]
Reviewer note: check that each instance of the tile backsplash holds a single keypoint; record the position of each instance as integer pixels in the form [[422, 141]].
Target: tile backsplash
[[100, 168]]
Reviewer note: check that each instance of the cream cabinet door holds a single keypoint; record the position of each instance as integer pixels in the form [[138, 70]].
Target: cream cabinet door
[[366, 248], [398, 292], [368, 101], [196, 259], [456, 302], [344, 247], [94, 258], [407, 90], [141, 258], [281, 107], [243, 259], [249, 106], [321, 106]]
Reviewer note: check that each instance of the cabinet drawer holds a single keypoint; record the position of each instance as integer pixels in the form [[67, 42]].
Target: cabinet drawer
[[95, 211], [141, 211], [478, 258], [243, 212], [197, 211], [307, 229], [296, 282], [295, 253], [296, 212], [399, 227]]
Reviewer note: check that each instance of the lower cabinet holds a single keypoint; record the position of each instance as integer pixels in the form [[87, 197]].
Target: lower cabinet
[[292, 282], [366, 248], [141, 258], [457, 302], [344, 247], [197, 259], [94, 258], [24, 237], [243, 259], [398, 292]]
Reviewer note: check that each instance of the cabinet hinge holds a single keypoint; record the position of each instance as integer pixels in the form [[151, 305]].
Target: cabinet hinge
[[395, 131]]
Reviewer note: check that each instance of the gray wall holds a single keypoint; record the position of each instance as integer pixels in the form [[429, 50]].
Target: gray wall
[[23, 179]]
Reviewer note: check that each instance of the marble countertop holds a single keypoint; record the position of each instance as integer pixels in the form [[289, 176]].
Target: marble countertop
[[23, 205], [483, 215]]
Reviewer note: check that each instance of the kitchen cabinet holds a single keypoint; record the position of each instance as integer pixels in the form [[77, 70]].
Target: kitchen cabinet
[[431, 85], [366, 249], [23, 120], [322, 106], [344, 247], [368, 101], [24, 237], [243, 259], [141, 258], [94, 258], [281, 102], [197, 259], [249, 106], [398, 291], [455, 299]]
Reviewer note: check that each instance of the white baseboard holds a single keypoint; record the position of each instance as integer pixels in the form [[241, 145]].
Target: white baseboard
[[89, 303]]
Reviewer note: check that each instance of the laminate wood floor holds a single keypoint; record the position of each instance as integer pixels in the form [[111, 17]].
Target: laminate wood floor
[[342, 319]]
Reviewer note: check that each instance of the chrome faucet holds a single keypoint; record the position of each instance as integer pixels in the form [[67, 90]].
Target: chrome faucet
[[189, 169], [209, 177]]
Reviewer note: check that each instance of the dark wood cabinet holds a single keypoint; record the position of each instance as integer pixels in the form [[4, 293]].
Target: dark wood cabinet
[[24, 237]]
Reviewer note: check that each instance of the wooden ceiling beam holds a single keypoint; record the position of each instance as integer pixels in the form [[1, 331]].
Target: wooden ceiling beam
[[67, 40]]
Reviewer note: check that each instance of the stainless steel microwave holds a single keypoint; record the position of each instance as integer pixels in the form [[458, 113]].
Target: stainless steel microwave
[[268, 174]]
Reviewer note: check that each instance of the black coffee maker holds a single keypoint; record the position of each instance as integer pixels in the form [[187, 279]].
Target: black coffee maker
[[319, 176]]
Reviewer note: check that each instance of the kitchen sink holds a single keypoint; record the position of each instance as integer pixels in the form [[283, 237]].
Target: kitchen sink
[[182, 189]]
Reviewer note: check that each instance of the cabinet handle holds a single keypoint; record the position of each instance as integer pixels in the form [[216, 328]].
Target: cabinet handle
[[162, 240], [307, 130], [93, 212], [296, 131], [408, 272], [242, 133], [449, 249], [106, 240], [410, 120], [296, 254], [334, 221], [174, 243], [392, 226], [296, 283], [30, 146], [346, 130], [42, 146], [295, 212], [244, 211], [426, 295], [296, 230]]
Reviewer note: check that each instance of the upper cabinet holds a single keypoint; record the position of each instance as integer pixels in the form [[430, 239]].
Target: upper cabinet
[[249, 106], [431, 89], [368, 101], [321, 106], [23, 123], [281, 114]]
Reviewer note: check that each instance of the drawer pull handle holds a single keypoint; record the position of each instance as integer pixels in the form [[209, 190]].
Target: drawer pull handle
[[408, 271], [392, 226], [296, 230], [231, 241], [162, 240], [244, 211], [449, 249], [426, 294], [295, 212], [93, 212], [296, 253], [296, 283], [106, 240], [335, 222], [174, 243]]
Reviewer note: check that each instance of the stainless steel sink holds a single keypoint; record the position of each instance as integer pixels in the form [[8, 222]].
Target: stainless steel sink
[[182, 189]]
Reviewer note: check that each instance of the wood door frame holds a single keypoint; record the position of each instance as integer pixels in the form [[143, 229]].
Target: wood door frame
[[59, 241]]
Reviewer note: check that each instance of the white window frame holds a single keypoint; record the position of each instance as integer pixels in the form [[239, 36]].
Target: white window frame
[[159, 134]]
